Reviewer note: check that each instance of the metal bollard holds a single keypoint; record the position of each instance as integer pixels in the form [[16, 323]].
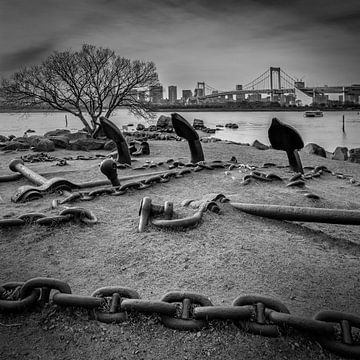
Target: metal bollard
[[109, 169]]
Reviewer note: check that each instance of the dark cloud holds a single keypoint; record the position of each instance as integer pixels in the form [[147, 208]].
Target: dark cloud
[[195, 36], [349, 21], [26, 56]]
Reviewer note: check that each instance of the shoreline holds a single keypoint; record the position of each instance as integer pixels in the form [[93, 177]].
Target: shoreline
[[198, 109]]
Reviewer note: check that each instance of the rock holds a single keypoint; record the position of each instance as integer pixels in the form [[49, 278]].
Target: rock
[[132, 148], [143, 150], [78, 135], [164, 122], [44, 145], [57, 132], [215, 139], [3, 138], [152, 128], [315, 149], [110, 145], [354, 155], [198, 124], [140, 127], [23, 139], [60, 141], [340, 153], [87, 144], [34, 139], [260, 146], [16, 145], [232, 125], [209, 130]]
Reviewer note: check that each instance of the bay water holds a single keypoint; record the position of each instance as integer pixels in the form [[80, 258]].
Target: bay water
[[326, 131]]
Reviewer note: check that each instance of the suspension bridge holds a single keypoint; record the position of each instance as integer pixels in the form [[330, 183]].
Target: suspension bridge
[[273, 83]]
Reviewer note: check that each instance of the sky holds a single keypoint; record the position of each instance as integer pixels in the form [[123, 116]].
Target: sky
[[220, 42]]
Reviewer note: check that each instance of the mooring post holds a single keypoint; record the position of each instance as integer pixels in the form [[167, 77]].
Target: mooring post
[[343, 128]]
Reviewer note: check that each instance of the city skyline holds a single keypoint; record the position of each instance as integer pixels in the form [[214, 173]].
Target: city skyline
[[222, 44]]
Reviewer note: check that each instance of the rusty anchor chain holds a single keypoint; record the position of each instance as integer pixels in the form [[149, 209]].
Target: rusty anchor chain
[[76, 214], [177, 170], [186, 311], [45, 157]]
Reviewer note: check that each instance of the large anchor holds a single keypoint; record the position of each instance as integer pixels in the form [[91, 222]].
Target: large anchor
[[303, 214], [286, 138], [186, 131], [113, 133], [28, 192]]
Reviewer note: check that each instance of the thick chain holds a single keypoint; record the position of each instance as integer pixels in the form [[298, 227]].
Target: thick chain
[[69, 214], [45, 157], [182, 169], [189, 311]]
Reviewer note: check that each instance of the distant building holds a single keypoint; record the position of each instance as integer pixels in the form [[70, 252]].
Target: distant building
[[156, 94], [172, 94], [254, 97], [288, 99], [320, 99], [239, 97], [299, 84], [186, 95], [276, 98], [352, 98]]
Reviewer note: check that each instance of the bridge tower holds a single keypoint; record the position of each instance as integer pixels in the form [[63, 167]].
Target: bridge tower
[[200, 89], [277, 71]]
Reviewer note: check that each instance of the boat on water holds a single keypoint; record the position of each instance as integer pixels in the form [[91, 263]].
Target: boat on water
[[313, 113]]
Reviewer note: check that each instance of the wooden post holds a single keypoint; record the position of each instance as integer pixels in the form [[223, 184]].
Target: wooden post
[[343, 127]]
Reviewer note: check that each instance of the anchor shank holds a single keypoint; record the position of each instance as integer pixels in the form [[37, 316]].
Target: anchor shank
[[196, 151], [17, 165]]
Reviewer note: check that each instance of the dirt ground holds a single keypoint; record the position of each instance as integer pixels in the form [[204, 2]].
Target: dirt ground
[[307, 266]]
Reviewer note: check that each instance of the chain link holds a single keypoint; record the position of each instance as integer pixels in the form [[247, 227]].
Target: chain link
[[189, 311], [345, 346], [259, 324], [68, 214]]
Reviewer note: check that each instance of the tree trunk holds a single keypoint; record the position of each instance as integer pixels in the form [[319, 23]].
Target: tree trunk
[[87, 126]]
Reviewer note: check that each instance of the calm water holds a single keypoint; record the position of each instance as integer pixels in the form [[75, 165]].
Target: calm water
[[326, 131]]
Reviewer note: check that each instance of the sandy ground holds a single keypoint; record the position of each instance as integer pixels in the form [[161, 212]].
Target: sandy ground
[[307, 266]]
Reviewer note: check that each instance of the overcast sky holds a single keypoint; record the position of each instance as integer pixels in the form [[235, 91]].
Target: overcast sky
[[221, 42]]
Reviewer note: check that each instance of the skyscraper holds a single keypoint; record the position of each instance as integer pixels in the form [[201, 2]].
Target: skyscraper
[[156, 94], [172, 93]]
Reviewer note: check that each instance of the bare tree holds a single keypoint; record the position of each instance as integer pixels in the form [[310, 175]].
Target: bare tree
[[89, 83]]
